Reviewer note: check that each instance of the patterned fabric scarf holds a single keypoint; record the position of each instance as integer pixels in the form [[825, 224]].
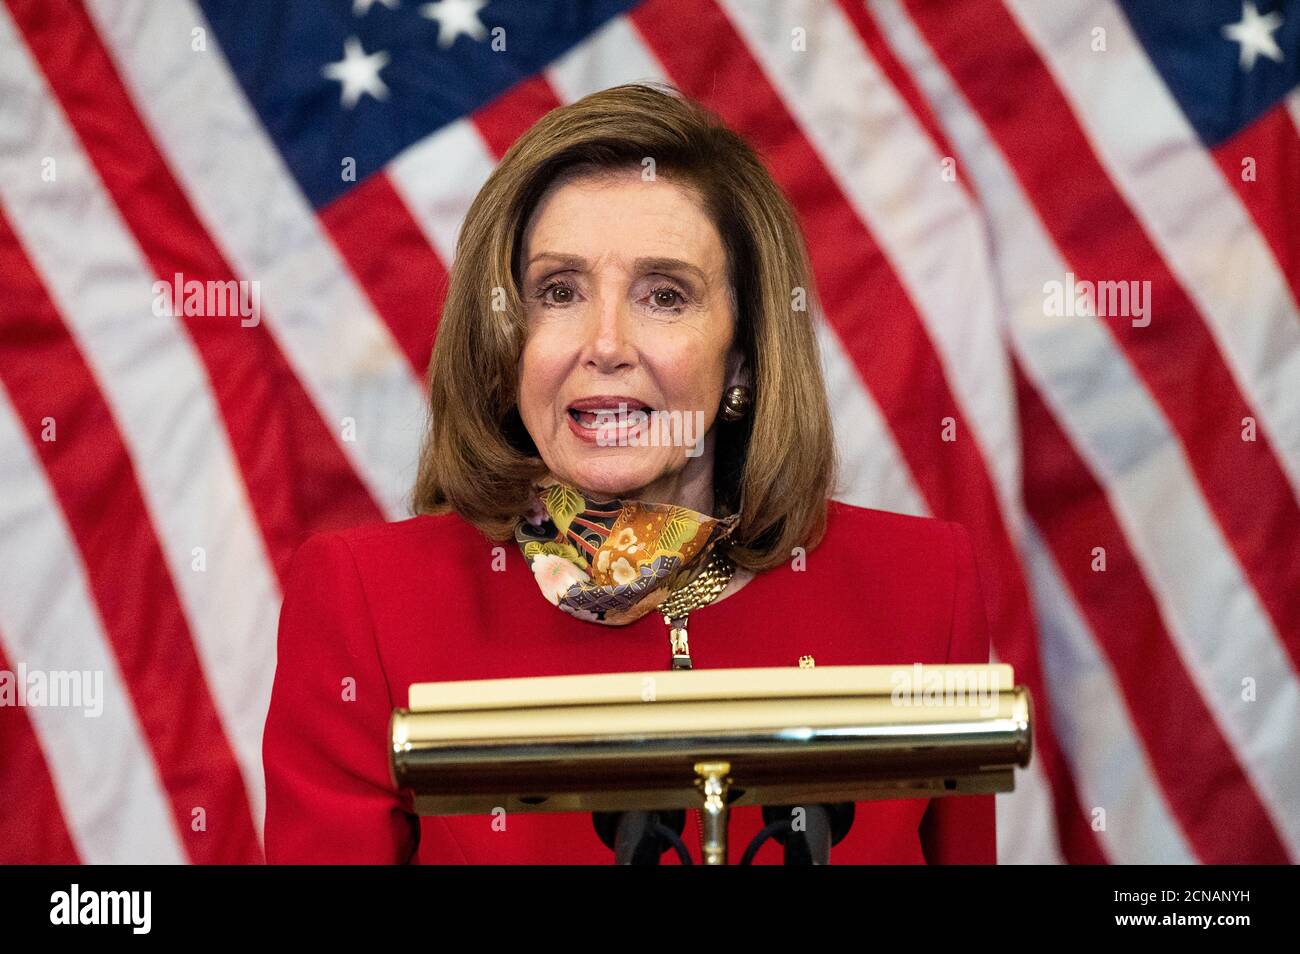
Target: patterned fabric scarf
[[608, 562]]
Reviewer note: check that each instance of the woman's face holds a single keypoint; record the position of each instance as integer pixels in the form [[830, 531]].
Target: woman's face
[[625, 286]]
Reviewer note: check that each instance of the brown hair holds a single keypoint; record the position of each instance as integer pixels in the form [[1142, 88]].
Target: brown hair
[[776, 466]]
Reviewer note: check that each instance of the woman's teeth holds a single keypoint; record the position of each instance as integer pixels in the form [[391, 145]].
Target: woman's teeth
[[610, 416]]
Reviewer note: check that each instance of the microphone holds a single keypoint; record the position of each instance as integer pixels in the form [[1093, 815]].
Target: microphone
[[639, 838], [823, 827]]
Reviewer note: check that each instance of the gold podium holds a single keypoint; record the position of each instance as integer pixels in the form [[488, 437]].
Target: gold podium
[[710, 739]]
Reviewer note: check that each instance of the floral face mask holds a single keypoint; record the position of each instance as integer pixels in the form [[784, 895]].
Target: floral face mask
[[608, 562]]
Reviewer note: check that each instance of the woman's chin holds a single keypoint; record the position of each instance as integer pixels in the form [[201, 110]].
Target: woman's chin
[[612, 478]]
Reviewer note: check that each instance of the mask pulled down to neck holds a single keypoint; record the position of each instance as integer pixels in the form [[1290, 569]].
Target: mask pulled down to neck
[[609, 562]]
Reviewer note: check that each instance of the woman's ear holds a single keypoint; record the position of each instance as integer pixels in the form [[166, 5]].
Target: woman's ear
[[737, 369]]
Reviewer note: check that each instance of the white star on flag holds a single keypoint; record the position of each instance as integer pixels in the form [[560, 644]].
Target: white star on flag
[[1255, 35], [361, 7], [455, 17], [358, 72]]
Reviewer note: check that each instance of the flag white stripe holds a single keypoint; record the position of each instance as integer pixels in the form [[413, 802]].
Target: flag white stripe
[[613, 55], [872, 471], [925, 227], [438, 177], [1194, 218], [1026, 818], [1293, 108], [153, 379], [102, 769], [1119, 432], [340, 349]]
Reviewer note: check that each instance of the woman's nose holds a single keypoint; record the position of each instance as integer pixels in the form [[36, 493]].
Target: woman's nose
[[609, 344]]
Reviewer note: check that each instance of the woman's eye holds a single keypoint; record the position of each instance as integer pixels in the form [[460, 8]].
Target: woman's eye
[[667, 298], [556, 293]]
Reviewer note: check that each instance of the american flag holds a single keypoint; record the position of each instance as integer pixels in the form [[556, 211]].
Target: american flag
[[1057, 256]]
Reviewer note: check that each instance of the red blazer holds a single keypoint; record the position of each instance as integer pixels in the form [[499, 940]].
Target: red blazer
[[419, 600]]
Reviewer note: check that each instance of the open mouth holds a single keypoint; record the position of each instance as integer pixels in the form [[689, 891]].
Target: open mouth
[[613, 416], [605, 411]]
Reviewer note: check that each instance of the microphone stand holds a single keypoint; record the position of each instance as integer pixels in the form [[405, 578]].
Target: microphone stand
[[824, 826], [639, 838]]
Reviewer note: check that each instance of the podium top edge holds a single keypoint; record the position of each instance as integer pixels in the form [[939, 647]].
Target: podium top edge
[[701, 684]]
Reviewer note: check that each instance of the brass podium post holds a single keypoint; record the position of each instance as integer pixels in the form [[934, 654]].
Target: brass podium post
[[712, 780]]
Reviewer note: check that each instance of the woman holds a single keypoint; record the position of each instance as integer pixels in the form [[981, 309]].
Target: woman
[[627, 414]]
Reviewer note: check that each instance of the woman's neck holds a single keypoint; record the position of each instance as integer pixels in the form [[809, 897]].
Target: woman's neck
[[691, 490]]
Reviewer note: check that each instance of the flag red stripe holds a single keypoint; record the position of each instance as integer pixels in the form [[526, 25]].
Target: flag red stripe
[[32, 827], [275, 431], [98, 490], [900, 79], [393, 262], [1205, 785], [884, 336], [508, 116], [1271, 197], [1102, 239]]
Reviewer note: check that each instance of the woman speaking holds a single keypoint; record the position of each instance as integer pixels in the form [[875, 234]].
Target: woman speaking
[[629, 466]]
